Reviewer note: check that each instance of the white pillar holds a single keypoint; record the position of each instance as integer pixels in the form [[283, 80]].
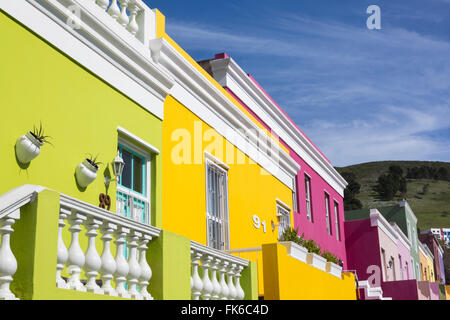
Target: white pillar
[[122, 268], [233, 292], [207, 284], [216, 285], [225, 291], [93, 261], [8, 263], [62, 253], [123, 17], [133, 27], [237, 283], [134, 269], [108, 267], [197, 284], [146, 271], [76, 256], [114, 10], [103, 3]]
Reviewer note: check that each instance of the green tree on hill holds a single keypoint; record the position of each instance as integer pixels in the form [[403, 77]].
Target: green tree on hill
[[353, 188], [390, 183]]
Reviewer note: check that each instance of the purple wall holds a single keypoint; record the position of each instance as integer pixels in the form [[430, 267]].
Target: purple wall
[[363, 248], [434, 290], [400, 290]]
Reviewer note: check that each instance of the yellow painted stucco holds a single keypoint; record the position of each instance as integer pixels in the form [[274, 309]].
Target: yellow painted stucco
[[78, 110], [250, 191], [286, 278]]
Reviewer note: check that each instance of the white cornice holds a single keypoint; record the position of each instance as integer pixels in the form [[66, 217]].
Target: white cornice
[[229, 74], [207, 102], [100, 44], [402, 237], [377, 220], [427, 250], [405, 204]]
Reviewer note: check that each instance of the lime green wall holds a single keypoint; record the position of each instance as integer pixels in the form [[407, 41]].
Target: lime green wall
[[80, 111]]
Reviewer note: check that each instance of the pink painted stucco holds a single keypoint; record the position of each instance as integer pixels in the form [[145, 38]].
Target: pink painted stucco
[[401, 290], [390, 248], [406, 266], [317, 228]]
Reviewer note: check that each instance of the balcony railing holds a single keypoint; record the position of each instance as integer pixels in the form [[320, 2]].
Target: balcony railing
[[131, 276], [220, 272]]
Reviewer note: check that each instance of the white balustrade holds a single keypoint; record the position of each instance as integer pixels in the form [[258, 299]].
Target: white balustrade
[[8, 263], [131, 276], [221, 274], [125, 12], [62, 253]]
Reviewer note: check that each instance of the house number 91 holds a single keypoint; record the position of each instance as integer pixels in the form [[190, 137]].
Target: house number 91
[[257, 223]]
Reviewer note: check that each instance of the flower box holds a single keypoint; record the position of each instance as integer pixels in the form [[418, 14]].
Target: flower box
[[295, 251], [334, 269], [316, 261]]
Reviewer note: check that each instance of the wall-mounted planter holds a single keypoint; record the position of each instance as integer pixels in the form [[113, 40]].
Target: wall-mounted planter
[[295, 251], [334, 269], [27, 148], [85, 173], [316, 261]]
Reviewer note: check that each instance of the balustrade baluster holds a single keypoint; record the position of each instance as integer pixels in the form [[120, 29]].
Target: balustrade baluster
[[114, 10], [216, 285], [123, 16], [103, 3], [93, 261], [207, 284], [146, 271], [108, 267], [122, 268], [62, 253], [240, 292], [225, 291], [233, 292], [8, 263], [76, 256], [133, 27], [197, 282], [134, 268]]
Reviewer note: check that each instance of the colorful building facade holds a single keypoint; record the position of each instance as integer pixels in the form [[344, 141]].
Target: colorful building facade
[[429, 239], [158, 176]]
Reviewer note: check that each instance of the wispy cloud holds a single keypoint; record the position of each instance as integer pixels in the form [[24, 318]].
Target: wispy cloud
[[360, 95]]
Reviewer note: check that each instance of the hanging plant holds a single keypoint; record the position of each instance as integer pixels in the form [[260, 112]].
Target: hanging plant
[[86, 171], [28, 146]]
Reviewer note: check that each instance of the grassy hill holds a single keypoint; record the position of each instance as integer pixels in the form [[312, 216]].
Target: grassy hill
[[432, 208]]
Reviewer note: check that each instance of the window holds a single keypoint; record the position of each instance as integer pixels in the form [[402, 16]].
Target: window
[[284, 220], [336, 218], [407, 270], [401, 267], [294, 196], [216, 206], [327, 212], [383, 264], [308, 197], [133, 189]]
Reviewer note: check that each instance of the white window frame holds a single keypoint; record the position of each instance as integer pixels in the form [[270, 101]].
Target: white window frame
[[327, 212], [307, 180], [211, 161], [336, 218], [294, 196], [147, 155], [283, 215]]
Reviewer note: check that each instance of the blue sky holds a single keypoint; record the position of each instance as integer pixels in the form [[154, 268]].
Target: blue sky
[[361, 95]]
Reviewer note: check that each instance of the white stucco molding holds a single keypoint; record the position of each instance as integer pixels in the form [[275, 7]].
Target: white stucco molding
[[377, 220]]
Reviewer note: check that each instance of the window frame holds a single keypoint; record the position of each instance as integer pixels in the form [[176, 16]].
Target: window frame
[[336, 217], [285, 213], [308, 197], [327, 213], [221, 167]]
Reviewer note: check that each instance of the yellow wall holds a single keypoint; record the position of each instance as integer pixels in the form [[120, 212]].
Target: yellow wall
[[286, 278], [447, 292], [184, 196], [80, 111], [430, 270]]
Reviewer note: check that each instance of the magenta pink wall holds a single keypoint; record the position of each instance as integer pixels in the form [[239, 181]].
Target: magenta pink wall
[[317, 229], [363, 248], [434, 291], [400, 290]]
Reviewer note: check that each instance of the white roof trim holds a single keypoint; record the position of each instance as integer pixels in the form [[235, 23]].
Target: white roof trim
[[377, 220], [402, 237], [228, 73]]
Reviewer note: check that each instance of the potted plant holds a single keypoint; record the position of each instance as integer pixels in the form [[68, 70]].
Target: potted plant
[[28, 146], [314, 257], [294, 244], [332, 266], [86, 171]]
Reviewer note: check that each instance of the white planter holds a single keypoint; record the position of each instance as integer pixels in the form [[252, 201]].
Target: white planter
[[334, 269], [295, 251], [85, 173], [316, 261], [27, 148]]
